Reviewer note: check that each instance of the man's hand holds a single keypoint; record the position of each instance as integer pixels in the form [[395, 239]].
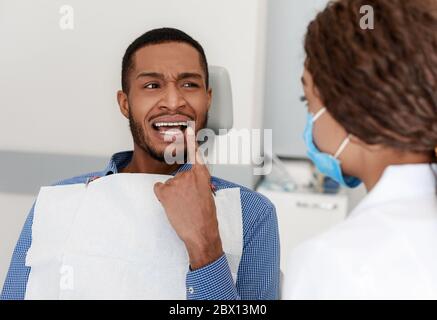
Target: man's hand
[[189, 204]]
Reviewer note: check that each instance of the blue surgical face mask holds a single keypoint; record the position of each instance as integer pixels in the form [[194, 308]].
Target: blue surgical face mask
[[327, 164]]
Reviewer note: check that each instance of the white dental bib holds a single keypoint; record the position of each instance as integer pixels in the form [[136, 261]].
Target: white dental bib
[[112, 240]]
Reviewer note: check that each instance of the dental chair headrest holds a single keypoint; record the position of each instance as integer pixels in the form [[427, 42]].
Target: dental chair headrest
[[220, 112]]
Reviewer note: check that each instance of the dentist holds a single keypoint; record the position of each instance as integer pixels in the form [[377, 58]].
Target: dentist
[[372, 119]]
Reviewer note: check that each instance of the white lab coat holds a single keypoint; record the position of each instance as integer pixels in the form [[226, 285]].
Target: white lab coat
[[385, 249]]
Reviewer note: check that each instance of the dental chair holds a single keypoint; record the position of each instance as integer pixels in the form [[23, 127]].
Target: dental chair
[[221, 111], [221, 117]]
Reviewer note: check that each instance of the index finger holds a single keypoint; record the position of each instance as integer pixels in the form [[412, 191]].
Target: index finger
[[194, 156], [191, 144]]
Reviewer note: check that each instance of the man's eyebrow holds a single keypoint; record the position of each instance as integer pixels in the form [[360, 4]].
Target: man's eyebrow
[[186, 75], [151, 75], [181, 76]]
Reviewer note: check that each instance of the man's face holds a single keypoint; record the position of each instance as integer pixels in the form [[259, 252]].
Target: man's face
[[167, 89]]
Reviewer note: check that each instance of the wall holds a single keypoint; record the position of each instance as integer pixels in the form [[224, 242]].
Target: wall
[[286, 28]]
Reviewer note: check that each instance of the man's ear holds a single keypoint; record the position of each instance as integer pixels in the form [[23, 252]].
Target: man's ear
[[368, 147], [209, 93], [123, 103]]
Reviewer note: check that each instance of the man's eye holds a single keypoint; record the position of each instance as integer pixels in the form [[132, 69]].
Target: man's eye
[[151, 86], [190, 85]]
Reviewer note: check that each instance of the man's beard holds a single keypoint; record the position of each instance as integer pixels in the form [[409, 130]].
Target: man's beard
[[141, 141]]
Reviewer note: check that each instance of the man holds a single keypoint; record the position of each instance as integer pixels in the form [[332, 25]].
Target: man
[[164, 85]]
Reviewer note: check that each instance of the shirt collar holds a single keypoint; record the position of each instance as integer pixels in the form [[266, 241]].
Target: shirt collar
[[121, 159], [400, 182]]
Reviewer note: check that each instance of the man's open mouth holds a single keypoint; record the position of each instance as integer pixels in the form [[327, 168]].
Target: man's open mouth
[[166, 126], [171, 127]]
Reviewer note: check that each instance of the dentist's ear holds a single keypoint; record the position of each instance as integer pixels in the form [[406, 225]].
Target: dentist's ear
[[368, 147], [123, 103]]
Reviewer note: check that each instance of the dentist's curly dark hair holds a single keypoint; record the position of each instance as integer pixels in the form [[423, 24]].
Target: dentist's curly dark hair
[[380, 84]]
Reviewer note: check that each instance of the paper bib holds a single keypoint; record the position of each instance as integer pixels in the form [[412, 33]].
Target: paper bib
[[112, 240]]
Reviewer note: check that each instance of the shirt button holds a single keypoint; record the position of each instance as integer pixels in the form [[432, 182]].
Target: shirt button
[[190, 290]]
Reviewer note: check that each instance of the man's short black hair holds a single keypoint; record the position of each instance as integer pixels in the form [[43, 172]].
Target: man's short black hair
[[157, 36]]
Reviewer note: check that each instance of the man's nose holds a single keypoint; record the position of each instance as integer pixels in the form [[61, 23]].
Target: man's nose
[[173, 98]]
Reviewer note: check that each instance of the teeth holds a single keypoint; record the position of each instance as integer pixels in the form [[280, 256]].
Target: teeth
[[171, 124], [172, 132]]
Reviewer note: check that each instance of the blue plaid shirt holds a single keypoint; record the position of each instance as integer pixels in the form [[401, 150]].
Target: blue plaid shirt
[[258, 273]]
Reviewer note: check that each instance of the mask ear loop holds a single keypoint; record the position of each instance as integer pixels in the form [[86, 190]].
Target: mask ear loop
[[345, 141], [342, 146], [318, 114]]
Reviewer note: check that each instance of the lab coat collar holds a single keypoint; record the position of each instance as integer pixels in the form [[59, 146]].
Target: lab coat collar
[[399, 182]]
